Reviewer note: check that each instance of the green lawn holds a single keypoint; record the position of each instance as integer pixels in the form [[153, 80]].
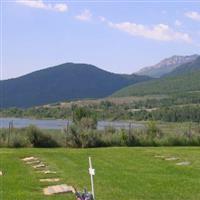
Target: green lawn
[[121, 173]]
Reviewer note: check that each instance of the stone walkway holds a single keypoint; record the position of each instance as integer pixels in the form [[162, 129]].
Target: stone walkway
[[49, 180], [57, 189], [183, 163], [41, 167], [47, 172], [167, 158], [171, 158]]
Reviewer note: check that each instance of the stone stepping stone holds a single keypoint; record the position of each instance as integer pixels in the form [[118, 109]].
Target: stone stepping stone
[[159, 156], [1, 173], [26, 159], [47, 172], [41, 165], [58, 189], [183, 163], [171, 159], [33, 162], [50, 180]]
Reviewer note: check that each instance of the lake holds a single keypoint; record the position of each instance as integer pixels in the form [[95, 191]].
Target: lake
[[60, 124]]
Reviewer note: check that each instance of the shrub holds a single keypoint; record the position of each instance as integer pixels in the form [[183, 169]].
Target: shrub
[[79, 113], [72, 136], [38, 139], [19, 141], [124, 139], [153, 131], [110, 129], [3, 138], [82, 138], [88, 123], [89, 138]]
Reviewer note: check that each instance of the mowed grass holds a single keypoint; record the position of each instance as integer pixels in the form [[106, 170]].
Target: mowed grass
[[121, 173]]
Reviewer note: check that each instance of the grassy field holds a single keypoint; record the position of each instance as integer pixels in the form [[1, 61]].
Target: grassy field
[[121, 173]]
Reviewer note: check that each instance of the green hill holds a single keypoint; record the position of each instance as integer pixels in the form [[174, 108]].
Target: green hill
[[176, 84], [64, 82]]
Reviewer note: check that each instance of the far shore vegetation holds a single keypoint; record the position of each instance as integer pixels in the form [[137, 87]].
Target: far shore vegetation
[[169, 108], [170, 120], [82, 133]]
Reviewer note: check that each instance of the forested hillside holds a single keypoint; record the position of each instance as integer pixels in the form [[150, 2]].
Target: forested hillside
[[60, 83], [185, 78]]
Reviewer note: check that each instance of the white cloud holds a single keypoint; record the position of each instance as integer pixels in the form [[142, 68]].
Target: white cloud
[[193, 15], [33, 3], [161, 32], [102, 19], [86, 15], [59, 7], [178, 23]]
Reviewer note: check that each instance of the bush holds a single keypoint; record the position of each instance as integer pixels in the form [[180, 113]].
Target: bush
[[82, 138], [110, 129], [89, 138], [88, 123], [79, 113], [3, 138], [153, 131], [124, 138], [19, 141], [72, 136], [38, 139]]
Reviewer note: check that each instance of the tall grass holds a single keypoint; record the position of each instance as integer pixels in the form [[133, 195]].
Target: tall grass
[[30, 137], [76, 136]]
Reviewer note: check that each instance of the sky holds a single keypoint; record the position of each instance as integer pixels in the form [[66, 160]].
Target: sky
[[117, 36]]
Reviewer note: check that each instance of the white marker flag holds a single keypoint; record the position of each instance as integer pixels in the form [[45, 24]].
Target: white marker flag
[[92, 173]]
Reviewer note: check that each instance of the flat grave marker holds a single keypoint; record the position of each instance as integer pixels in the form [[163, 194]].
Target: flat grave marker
[[41, 165], [50, 180], [58, 189], [171, 158], [183, 163]]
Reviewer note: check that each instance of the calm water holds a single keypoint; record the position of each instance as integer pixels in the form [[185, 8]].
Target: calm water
[[60, 124]]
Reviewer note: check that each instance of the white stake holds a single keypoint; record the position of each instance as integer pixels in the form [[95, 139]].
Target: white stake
[[92, 173]]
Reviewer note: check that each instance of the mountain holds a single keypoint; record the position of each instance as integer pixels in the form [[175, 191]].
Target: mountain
[[63, 82], [166, 66], [186, 68], [185, 78]]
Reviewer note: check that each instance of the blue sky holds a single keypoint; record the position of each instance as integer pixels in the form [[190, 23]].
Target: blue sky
[[117, 36]]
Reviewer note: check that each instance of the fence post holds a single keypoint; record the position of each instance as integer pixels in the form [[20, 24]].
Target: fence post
[[129, 132], [66, 133], [10, 127]]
